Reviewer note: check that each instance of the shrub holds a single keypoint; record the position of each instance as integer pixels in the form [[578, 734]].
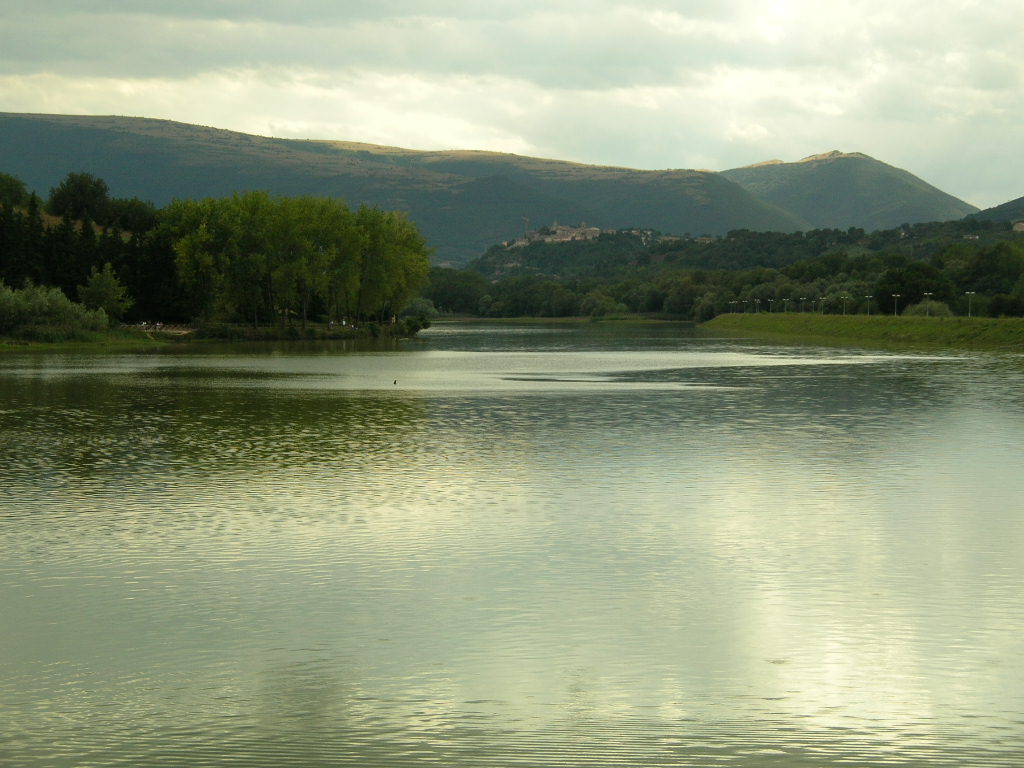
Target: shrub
[[420, 307], [598, 304], [929, 308], [410, 326], [38, 310]]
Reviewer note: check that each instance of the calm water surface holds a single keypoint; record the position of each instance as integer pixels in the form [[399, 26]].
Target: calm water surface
[[512, 546]]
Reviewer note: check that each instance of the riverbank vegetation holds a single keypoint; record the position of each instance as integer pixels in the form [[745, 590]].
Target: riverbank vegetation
[[967, 267], [288, 267], [44, 313], [272, 263], [878, 330]]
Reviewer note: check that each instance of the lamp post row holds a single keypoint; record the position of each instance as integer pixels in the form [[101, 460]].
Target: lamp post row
[[895, 307]]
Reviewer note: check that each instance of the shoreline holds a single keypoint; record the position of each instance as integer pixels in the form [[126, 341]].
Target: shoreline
[[137, 338], [978, 333]]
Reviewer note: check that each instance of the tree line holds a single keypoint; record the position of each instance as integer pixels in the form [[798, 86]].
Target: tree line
[[263, 260], [251, 257], [952, 267]]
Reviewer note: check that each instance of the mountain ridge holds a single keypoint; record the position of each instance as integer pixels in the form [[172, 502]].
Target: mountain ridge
[[1012, 210], [463, 201], [835, 188]]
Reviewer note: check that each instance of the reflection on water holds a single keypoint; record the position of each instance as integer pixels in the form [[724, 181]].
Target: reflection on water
[[580, 546]]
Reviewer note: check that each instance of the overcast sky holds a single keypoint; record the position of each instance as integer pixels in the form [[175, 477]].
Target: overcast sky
[[932, 86]]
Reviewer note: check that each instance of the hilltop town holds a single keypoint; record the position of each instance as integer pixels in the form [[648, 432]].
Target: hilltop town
[[562, 233]]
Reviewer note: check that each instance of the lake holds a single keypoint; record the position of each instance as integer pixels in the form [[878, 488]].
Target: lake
[[512, 545]]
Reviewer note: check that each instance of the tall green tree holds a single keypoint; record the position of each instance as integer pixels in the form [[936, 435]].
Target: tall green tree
[[131, 214], [395, 262], [901, 287], [996, 269], [344, 243], [13, 191], [251, 255], [104, 291], [80, 195], [455, 290]]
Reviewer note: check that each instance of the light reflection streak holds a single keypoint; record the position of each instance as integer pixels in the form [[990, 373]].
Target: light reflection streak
[[704, 576]]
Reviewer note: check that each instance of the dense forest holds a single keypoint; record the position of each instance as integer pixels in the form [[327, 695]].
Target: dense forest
[[250, 258], [958, 267], [261, 260]]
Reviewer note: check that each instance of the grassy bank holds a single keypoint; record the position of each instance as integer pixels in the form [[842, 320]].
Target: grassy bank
[[60, 339], [612, 319], [128, 338], [878, 330], [404, 328]]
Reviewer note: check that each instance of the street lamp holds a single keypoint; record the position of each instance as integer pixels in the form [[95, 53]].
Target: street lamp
[[928, 303], [895, 303], [802, 300], [771, 306], [869, 298], [757, 306], [970, 295], [844, 298], [821, 304]]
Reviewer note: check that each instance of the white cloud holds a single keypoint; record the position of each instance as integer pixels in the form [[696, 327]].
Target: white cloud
[[933, 86]]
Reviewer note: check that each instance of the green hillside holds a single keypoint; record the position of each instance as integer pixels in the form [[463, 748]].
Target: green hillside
[[1011, 211], [837, 190], [462, 201]]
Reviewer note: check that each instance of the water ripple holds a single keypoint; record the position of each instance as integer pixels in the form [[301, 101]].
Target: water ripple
[[765, 562]]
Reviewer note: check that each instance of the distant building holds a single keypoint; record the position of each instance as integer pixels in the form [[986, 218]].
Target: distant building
[[1018, 226], [563, 234], [558, 233]]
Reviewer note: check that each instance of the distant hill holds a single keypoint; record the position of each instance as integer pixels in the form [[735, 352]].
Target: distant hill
[[1011, 211], [836, 190], [463, 202]]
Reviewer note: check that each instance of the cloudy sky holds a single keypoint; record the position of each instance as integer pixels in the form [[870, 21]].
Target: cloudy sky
[[933, 86]]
